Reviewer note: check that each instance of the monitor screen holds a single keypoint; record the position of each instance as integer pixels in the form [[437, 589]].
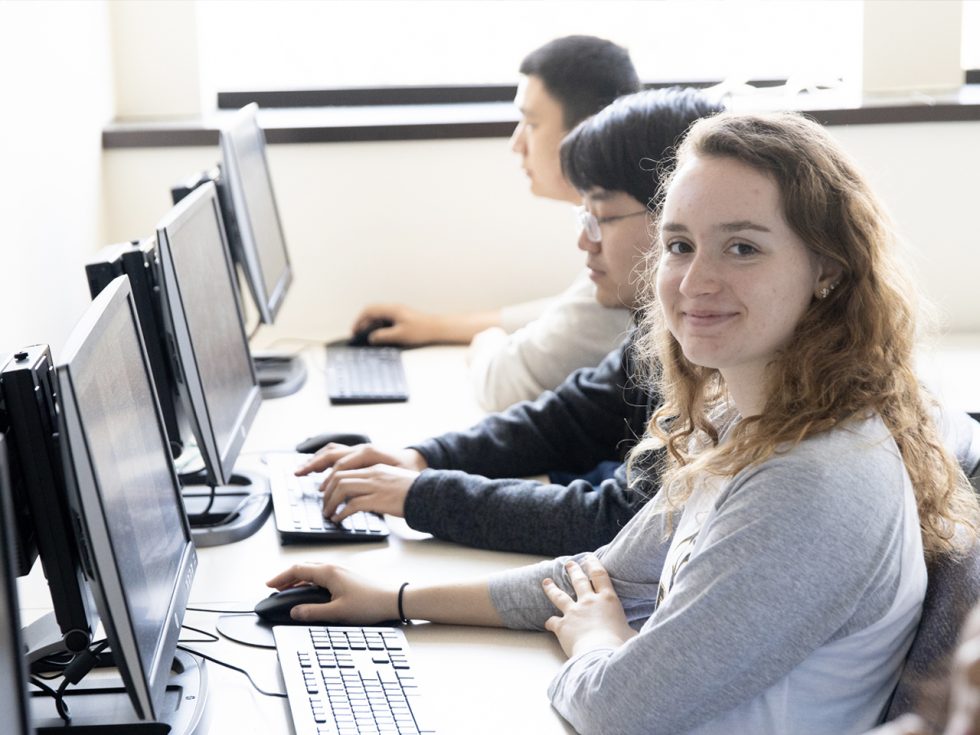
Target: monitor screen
[[135, 539], [13, 692], [260, 246], [217, 383]]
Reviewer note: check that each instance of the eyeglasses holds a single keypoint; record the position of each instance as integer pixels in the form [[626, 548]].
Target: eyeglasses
[[589, 223]]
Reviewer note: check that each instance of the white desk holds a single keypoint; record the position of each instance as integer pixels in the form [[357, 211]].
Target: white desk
[[478, 680]]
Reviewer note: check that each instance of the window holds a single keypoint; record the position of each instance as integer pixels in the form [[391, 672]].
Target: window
[[253, 45], [971, 34]]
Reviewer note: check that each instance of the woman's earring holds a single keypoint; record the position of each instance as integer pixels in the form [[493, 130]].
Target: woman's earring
[[825, 291]]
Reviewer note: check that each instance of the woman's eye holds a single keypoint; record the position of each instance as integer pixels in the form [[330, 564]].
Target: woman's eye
[[743, 248], [679, 247]]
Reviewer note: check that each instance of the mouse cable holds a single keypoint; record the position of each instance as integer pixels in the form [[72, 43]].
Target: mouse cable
[[210, 637], [220, 612], [240, 670]]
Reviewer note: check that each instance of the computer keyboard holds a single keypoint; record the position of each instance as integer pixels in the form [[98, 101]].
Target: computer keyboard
[[349, 680], [298, 507], [365, 375]]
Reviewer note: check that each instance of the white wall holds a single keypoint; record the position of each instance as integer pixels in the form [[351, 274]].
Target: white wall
[[57, 87], [450, 225]]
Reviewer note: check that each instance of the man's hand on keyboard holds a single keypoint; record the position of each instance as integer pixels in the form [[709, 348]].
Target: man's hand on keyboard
[[342, 457], [354, 600], [378, 489]]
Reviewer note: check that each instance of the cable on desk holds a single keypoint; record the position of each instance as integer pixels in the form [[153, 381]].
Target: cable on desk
[[58, 699], [220, 612], [74, 672], [233, 668], [211, 637]]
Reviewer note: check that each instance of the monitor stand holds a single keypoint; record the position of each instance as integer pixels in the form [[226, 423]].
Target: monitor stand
[[102, 705], [235, 511], [280, 374]]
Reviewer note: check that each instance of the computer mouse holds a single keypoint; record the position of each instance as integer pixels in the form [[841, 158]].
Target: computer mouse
[[360, 337], [312, 444], [275, 608]]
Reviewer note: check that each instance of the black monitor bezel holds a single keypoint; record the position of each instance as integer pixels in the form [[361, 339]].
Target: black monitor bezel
[[146, 688], [219, 461], [244, 130]]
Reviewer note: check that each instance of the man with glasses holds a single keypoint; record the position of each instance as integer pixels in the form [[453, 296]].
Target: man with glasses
[[521, 350], [458, 486]]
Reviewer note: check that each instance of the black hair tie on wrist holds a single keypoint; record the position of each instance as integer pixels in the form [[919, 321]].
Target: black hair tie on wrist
[[401, 609]]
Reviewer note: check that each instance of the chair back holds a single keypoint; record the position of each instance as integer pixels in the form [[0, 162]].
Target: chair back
[[952, 591]]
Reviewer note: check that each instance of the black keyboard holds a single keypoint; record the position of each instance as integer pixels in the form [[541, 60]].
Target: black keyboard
[[298, 507], [350, 681], [365, 375]]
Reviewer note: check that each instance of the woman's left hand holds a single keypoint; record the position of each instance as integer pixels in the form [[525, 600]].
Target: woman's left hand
[[595, 618]]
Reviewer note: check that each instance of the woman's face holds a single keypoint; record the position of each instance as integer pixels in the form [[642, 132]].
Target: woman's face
[[733, 279]]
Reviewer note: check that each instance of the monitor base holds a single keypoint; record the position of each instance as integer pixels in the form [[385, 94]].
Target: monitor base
[[102, 706], [279, 374], [234, 513]]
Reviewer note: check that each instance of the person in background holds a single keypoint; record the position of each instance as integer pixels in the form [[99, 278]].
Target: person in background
[[461, 486], [525, 349], [775, 582]]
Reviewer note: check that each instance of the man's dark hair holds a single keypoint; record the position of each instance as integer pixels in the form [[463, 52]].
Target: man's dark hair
[[626, 145], [583, 73]]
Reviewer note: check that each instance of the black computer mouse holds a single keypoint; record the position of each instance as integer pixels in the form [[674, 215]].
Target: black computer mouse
[[275, 608], [360, 337], [313, 444]]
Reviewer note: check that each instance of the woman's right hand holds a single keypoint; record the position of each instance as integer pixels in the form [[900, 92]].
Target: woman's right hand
[[353, 600]]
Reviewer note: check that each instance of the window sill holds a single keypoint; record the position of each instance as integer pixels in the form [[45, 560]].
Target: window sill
[[345, 124]]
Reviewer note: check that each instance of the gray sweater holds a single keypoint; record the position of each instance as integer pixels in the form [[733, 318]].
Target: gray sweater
[[790, 610]]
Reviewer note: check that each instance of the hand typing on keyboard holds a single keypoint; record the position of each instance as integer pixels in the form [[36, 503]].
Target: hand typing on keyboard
[[343, 457], [364, 477], [378, 489]]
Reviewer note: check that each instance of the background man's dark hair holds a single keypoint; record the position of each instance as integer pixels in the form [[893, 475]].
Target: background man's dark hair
[[626, 145], [583, 73]]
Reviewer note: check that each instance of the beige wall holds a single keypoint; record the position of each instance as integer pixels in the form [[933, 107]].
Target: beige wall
[[444, 225]]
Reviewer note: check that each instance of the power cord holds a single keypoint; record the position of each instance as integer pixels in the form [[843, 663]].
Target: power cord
[[220, 612], [73, 673], [209, 636], [240, 670]]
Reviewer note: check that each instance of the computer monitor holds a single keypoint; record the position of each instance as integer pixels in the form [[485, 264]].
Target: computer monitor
[[217, 381], [256, 235], [41, 515], [138, 261], [13, 692], [134, 538]]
